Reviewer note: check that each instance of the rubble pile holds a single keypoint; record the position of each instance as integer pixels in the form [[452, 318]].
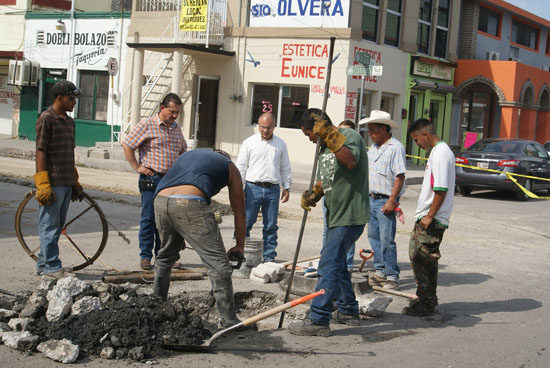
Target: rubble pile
[[70, 318]]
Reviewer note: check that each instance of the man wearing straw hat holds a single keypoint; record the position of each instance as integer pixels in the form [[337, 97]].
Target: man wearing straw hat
[[386, 184]]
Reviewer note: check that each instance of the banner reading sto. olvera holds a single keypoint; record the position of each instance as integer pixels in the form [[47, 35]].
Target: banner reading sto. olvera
[[194, 14]]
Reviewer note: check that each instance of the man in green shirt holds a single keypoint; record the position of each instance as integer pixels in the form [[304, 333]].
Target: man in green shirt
[[343, 181]]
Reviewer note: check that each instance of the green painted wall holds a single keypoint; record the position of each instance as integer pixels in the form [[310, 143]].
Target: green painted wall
[[87, 132]]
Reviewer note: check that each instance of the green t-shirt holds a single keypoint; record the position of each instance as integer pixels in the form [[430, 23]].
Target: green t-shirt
[[346, 191]]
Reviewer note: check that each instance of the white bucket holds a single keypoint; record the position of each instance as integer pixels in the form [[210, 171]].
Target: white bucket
[[253, 254]]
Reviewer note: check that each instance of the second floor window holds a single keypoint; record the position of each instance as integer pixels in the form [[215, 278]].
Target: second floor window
[[393, 23], [369, 23], [424, 26], [489, 21], [442, 29], [524, 34]]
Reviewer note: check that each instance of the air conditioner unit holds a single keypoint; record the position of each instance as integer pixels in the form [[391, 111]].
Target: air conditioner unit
[[23, 73], [492, 55]]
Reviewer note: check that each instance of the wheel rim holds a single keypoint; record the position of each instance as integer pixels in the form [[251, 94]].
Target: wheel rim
[[85, 224]]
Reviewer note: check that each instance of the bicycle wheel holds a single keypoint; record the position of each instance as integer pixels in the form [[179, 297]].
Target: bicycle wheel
[[78, 242]]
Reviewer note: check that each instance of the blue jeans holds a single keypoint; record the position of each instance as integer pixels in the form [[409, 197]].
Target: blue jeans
[[334, 276], [50, 223], [267, 198], [381, 233], [149, 238], [350, 253]]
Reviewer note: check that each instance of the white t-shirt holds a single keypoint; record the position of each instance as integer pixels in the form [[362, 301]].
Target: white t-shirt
[[439, 176]]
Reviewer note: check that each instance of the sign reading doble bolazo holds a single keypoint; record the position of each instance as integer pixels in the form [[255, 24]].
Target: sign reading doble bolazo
[[299, 13]]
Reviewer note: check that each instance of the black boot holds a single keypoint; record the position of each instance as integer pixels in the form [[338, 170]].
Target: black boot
[[162, 281], [223, 294]]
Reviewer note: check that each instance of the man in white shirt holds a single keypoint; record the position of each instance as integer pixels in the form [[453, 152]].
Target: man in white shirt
[[433, 212], [264, 166], [386, 185]]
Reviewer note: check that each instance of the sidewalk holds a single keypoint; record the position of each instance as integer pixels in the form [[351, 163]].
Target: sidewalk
[[115, 175]]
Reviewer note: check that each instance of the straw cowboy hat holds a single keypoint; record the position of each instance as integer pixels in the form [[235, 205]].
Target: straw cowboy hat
[[380, 117]]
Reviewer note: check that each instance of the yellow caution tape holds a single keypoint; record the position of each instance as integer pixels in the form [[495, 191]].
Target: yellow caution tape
[[508, 175]]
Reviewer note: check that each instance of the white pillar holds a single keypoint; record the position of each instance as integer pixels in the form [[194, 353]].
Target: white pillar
[[137, 86], [177, 70]]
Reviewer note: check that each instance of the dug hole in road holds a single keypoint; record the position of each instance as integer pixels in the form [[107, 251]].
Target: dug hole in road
[[492, 291]]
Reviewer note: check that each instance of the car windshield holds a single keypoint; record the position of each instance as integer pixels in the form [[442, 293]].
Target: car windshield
[[490, 146]]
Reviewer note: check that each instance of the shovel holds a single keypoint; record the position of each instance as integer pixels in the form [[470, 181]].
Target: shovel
[[205, 347]]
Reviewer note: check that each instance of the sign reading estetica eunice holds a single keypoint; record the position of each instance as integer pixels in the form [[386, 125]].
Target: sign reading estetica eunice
[[299, 13]]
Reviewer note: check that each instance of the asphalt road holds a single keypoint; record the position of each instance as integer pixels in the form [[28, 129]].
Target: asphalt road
[[493, 290]]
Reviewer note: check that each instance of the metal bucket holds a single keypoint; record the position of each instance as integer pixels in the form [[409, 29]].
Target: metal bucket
[[253, 253]]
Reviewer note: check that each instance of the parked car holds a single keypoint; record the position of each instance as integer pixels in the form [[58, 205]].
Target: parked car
[[547, 147], [517, 156]]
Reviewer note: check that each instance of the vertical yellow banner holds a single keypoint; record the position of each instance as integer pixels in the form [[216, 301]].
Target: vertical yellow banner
[[193, 15]]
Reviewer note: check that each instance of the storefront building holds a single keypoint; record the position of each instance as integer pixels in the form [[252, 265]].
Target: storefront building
[[503, 75], [86, 50]]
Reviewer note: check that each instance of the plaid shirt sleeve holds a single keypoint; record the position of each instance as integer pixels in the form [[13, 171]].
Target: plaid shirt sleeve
[[43, 132], [137, 136]]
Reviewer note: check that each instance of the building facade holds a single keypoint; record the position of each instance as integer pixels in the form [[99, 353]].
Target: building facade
[[84, 48], [273, 56], [503, 74]]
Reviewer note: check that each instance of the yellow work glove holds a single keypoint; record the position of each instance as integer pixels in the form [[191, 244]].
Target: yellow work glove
[[309, 199], [44, 193], [78, 191], [332, 137]]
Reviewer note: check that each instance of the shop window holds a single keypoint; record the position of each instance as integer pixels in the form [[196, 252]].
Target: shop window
[[287, 103], [369, 23], [94, 87], [489, 21], [524, 34], [424, 26], [442, 29], [393, 23]]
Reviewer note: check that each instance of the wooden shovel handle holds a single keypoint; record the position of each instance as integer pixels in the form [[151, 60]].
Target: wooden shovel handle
[[281, 308]]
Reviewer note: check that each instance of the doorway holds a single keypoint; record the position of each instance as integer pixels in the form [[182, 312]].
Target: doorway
[[206, 112]]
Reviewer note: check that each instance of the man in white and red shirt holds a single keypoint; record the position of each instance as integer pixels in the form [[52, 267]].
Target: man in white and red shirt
[[160, 142], [433, 212]]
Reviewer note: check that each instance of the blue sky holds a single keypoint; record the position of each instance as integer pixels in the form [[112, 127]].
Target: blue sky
[[537, 7]]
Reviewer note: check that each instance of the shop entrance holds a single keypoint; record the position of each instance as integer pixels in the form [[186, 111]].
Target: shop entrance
[[206, 112]]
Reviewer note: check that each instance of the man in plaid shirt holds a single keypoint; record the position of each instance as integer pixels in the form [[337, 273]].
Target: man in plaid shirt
[[160, 142], [386, 184]]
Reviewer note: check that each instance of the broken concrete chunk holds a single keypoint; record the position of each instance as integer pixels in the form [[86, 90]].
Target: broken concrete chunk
[[63, 351], [374, 305], [137, 353], [60, 303], [18, 324], [11, 339], [4, 327], [72, 285], [35, 307], [7, 313], [86, 305], [107, 353], [47, 283], [28, 343]]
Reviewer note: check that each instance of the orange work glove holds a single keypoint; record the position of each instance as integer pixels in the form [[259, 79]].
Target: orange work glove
[[78, 191], [309, 199], [333, 139], [44, 193]]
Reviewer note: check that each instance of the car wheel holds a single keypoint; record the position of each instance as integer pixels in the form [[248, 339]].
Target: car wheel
[[521, 195], [465, 191]]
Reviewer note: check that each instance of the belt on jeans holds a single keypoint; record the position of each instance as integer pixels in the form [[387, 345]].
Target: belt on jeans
[[262, 183], [378, 196]]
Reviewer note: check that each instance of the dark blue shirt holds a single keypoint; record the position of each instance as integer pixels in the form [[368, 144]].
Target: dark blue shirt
[[202, 168]]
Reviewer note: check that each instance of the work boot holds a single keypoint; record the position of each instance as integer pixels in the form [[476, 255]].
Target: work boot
[[308, 328], [345, 319], [375, 280], [162, 281], [391, 285], [59, 274], [145, 264], [418, 308], [225, 300]]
